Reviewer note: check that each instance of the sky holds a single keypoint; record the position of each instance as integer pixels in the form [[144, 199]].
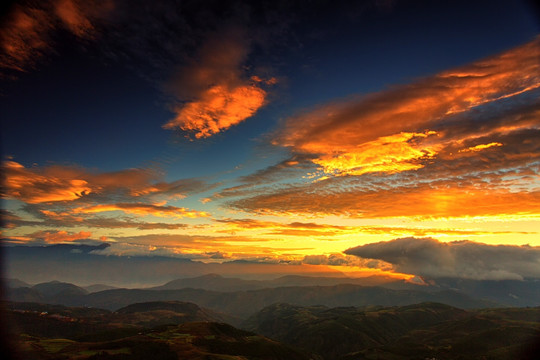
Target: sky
[[374, 137]]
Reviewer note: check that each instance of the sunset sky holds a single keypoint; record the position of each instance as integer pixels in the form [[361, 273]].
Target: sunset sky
[[280, 132]]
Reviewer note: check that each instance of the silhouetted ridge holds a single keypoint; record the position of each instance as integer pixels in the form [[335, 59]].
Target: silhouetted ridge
[[175, 306]]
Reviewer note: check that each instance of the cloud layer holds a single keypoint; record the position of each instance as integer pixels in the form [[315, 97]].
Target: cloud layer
[[66, 196], [431, 258], [401, 128], [464, 142]]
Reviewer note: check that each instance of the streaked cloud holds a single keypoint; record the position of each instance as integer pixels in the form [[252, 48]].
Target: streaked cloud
[[73, 197], [142, 209], [51, 237], [345, 260], [311, 229], [424, 201], [481, 147], [55, 183], [431, 258], [51, 185], [49, 219], [287, 229], [204, 247]]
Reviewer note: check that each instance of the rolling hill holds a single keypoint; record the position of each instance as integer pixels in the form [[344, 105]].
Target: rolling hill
[[421, 331], [58, 332], [242, 304], [215, 282]]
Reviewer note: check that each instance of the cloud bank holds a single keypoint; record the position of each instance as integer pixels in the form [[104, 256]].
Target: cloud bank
[[69, 196], [431, 258]]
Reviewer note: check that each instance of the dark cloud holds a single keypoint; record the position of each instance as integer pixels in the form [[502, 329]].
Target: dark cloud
[[431, 258], [30, 28]]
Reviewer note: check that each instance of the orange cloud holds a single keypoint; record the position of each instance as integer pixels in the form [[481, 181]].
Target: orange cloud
[[390, 154], [460, 143], [61, 216], [56, 237], [219, 108], [326, 230], [213, 91], [143, 209], [24, 37], [481, 147], [50, 219], [34, 187], [75, 18], [198, 247], [394, 130], [63, 183], [430, 201], [288, 229]]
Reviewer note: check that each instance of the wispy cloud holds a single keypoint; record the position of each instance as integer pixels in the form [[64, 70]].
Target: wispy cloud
[[54, 183], [203, 247], [142, 209], [68, 196], [50, 237], [329, 231], [48, 218], [424, 201], [431, 258], [51, 185]]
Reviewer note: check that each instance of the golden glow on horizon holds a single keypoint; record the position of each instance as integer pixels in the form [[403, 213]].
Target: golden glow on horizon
[[360, 272]]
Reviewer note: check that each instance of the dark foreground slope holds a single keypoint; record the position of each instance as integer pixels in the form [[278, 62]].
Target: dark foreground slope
[[422, 331], [186, 331], [57, 332]]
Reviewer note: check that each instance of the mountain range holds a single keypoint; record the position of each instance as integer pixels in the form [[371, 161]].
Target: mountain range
[[242, 297], [419, 331], [242, 304]]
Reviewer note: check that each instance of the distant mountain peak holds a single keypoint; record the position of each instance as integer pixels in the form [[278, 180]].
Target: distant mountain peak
[[211, 276]]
